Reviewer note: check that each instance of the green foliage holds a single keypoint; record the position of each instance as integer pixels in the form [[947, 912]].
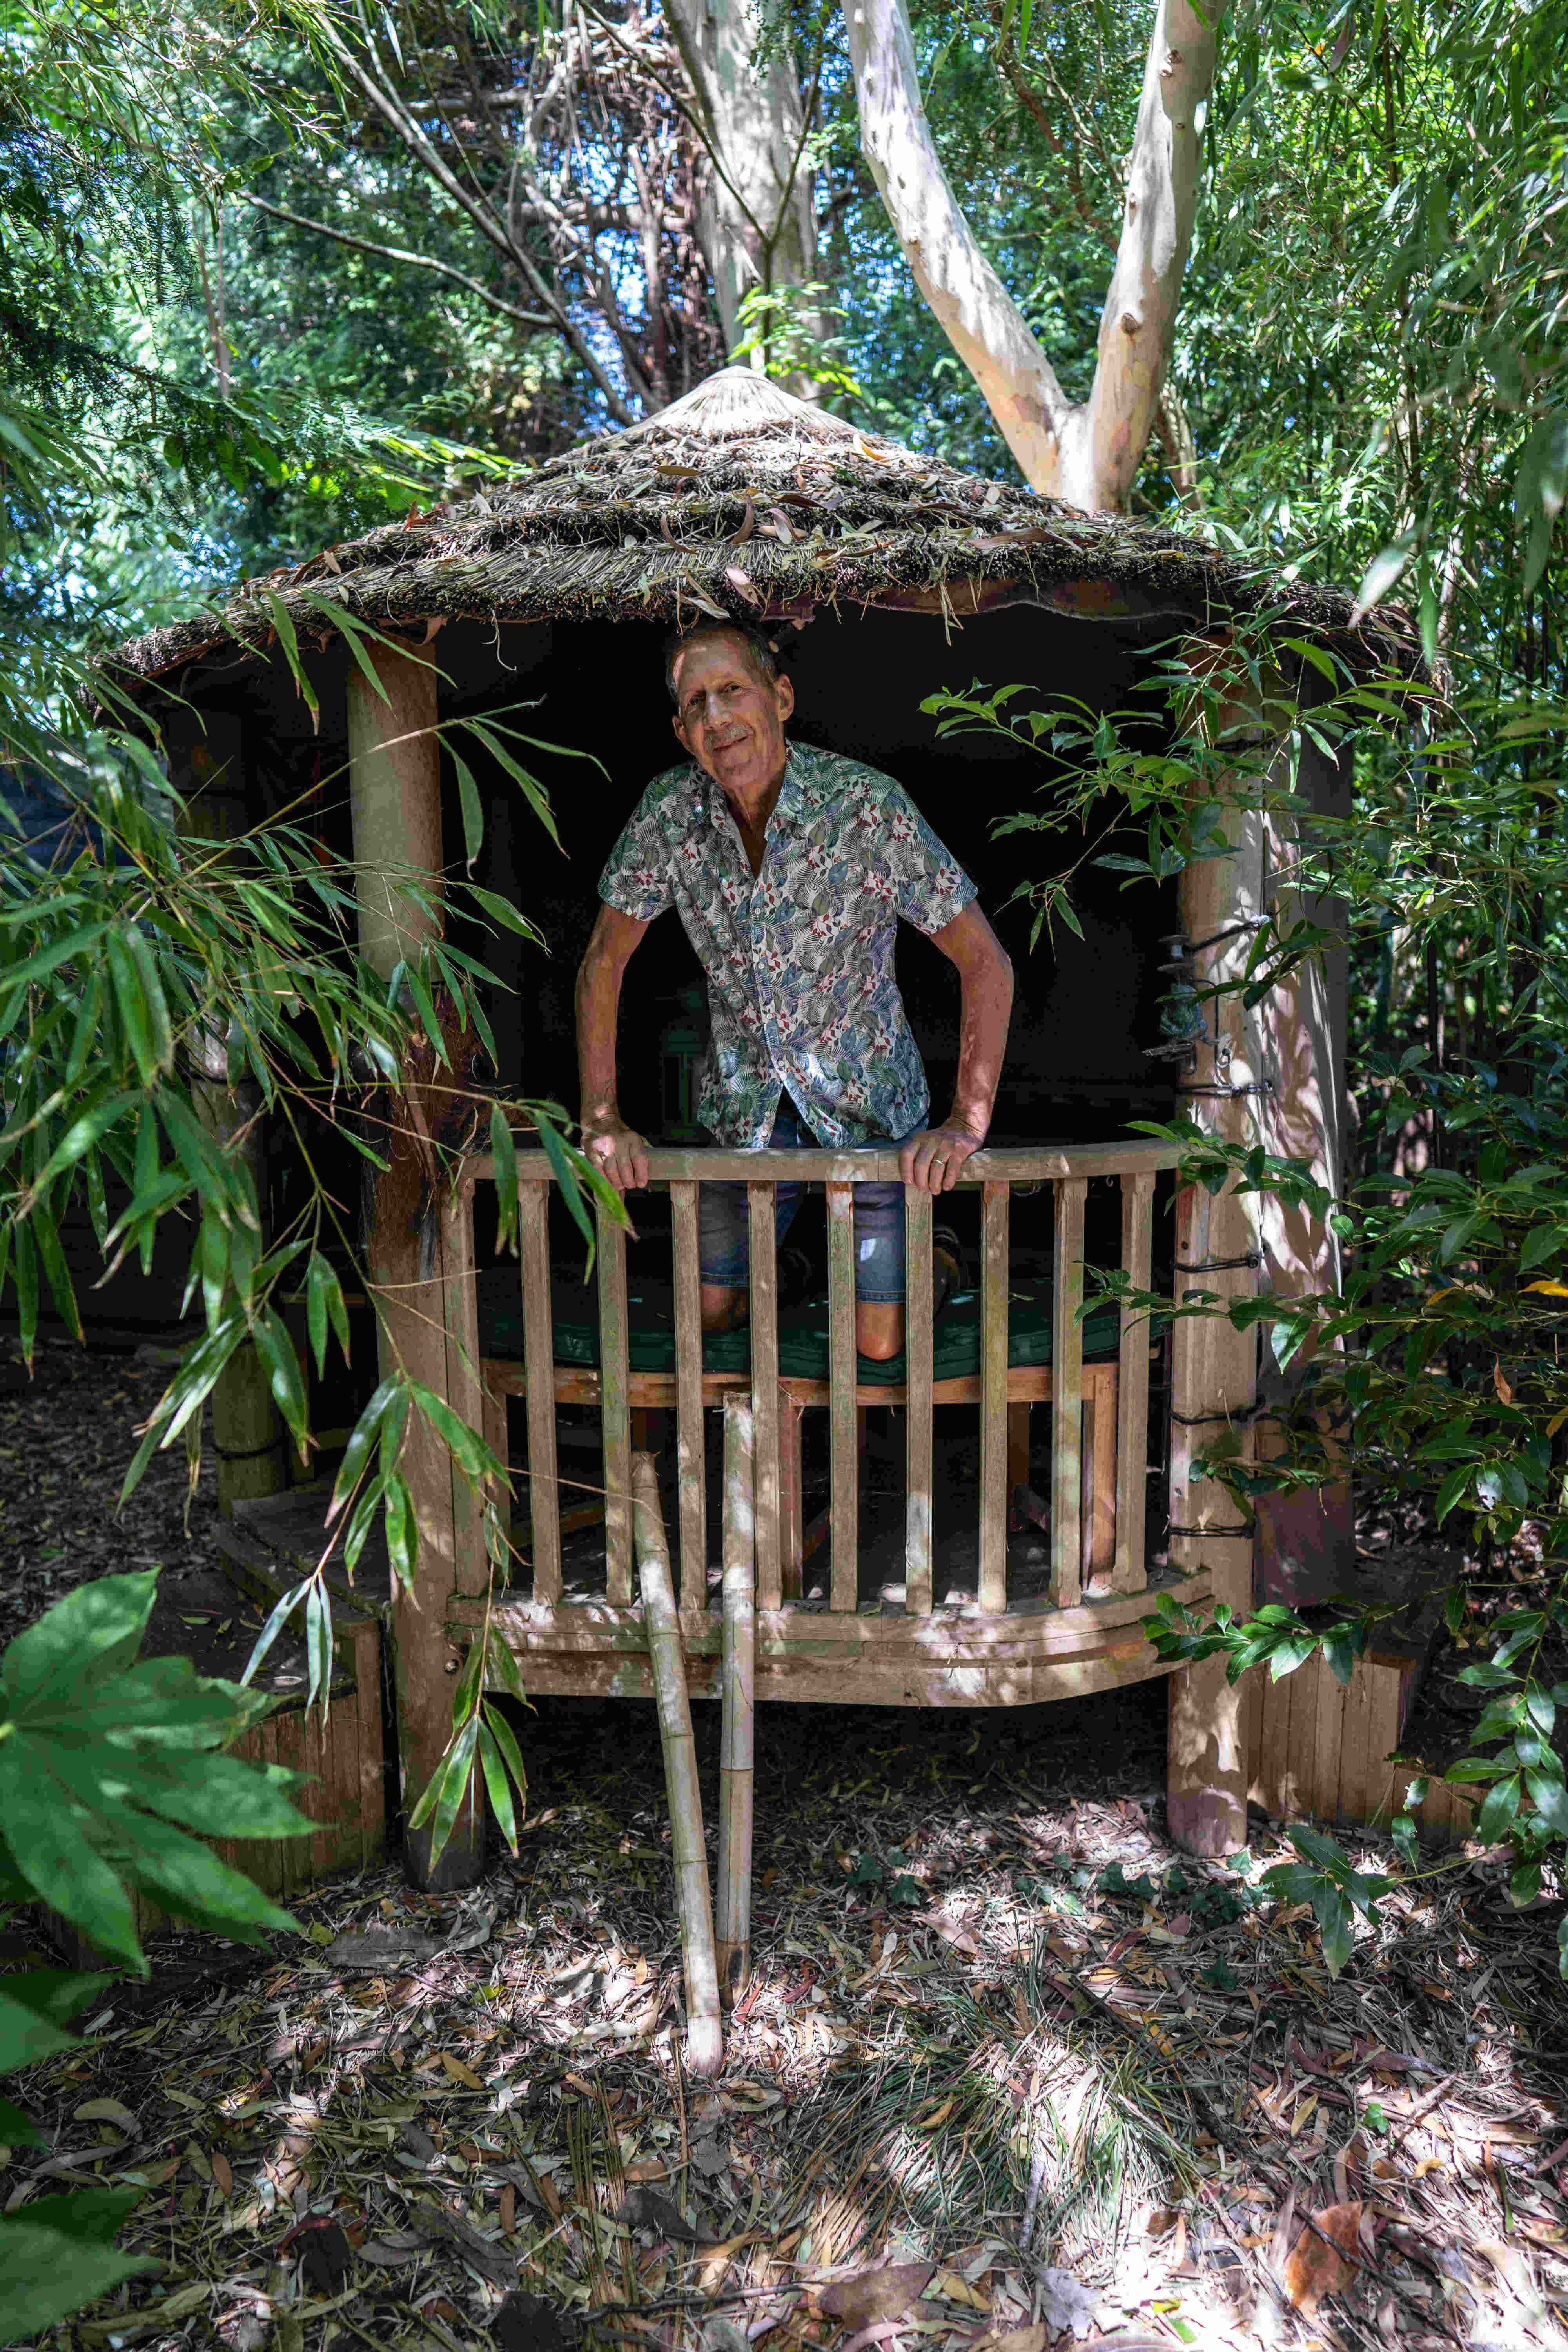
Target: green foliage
[[109, 1762]]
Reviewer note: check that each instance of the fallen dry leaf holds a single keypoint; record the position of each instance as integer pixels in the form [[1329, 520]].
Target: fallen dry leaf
[[104, 2111], [1066, 2303], [223, 2172], [645, 2209], [873, 2295], [1320, 2264], [459, 2071]]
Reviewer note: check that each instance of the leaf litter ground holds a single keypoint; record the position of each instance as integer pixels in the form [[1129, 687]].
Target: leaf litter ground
[[1009, 2073]]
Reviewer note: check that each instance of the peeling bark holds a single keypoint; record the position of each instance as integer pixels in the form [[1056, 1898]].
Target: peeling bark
[[1085, 452]]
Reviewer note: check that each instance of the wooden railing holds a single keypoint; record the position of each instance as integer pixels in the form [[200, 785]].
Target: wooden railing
[[616, 1391]]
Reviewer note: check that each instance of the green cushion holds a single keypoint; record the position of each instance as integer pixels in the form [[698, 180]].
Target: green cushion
[[803, 1332]]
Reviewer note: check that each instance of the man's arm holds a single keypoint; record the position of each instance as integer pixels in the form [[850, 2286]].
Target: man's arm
[[985, 977], [615, 1147]]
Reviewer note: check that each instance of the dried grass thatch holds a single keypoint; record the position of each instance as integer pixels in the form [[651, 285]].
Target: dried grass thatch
[[741, 500]]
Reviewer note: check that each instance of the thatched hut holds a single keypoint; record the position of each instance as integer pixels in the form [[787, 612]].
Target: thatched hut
[[898, 575]]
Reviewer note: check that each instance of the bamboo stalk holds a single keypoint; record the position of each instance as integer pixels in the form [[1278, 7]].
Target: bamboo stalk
[[694, 1904], [738, 1698]]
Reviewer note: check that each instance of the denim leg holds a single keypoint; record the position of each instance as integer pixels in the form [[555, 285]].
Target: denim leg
[[723, 1212], [724, 1230]]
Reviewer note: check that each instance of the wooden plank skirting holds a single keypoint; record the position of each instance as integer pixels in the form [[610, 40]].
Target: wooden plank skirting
[[956, 1656], [1319, 1751], [344, 1757]]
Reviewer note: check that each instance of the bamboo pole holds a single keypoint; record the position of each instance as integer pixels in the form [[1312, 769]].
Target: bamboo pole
[[704, 2029], [738, 1698]]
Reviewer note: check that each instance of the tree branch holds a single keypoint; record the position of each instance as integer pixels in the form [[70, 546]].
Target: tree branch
[[973, 307], [1087, 454], [413, 261], [484, 220]]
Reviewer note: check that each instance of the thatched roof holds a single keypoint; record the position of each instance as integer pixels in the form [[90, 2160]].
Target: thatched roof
[[741, 499]]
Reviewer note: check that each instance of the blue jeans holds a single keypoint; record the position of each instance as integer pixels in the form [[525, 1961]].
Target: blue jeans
[[724, 1231]]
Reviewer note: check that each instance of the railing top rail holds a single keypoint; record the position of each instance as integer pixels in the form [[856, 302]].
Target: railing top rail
[[1027, 1164]]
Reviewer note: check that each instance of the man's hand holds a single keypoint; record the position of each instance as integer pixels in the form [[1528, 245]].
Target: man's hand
[[618, 1151], [931, 1162]]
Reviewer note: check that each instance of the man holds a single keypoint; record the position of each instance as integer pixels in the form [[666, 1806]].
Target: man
[[791, 868]]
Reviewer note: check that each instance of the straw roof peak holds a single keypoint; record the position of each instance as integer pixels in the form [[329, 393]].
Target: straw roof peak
[[740, 399]]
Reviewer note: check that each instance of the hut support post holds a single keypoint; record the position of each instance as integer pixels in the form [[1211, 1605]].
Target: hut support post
[[738, 1698], [394, 795], [207, 767], [1213, 1366], [688, 1851]]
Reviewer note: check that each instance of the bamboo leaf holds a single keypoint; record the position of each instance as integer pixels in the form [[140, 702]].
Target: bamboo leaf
[[503, 1152], [282, 621]]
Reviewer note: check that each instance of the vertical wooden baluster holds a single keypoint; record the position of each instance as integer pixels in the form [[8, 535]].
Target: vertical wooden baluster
[[844, 1467], [539, 1368], [460, 1314], [1103, 1383], [691, 1456], [918, 1324], [792, 1522], [614, 1406], [994, 1399], [1067, 1396], [1131, 1573], [1090, 1442], [499, 1494], [765, 1389]]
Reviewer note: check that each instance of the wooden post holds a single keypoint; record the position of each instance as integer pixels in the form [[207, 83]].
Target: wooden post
[[394, 799], [207, 767], [704, 2029], [1213, 1366], [738, 1698], [1306, 1542]]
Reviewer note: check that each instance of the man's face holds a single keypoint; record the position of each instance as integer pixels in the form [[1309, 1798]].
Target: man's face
[[729, 716]]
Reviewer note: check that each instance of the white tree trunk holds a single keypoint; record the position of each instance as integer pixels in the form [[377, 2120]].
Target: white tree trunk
[[756, 220], [1086, 452]]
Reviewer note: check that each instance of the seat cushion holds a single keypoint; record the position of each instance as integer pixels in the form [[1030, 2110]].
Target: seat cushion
[[803, 1332]]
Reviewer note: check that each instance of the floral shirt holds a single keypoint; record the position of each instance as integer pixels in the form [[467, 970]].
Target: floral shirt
[[799, 961]]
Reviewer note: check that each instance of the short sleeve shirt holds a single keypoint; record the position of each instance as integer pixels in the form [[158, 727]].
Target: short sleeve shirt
[[799, 959]]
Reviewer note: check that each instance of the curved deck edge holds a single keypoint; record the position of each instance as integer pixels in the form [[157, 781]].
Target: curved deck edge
[[956, 1657]]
